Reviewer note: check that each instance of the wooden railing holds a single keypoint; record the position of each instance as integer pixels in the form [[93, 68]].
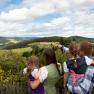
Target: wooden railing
[[14, 88]]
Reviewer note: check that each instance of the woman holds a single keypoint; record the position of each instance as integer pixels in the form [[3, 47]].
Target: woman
[[50, 73]]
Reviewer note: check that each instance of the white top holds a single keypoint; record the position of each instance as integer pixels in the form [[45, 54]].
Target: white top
[[88, 62], [43, 73], [65, 49]]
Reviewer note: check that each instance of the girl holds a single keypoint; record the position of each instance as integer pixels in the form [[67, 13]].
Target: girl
[[33, 72], [73, 48], [75, 67]]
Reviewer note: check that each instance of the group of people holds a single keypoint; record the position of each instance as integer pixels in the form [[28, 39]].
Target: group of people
[[78, 71]]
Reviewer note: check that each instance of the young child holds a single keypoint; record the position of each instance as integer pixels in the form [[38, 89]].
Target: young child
[[33, 73], [75, 67], [73, 48]]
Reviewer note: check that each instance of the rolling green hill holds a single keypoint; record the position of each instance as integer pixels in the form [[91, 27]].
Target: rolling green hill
[[78, 38], [7, 41], [23, 42]]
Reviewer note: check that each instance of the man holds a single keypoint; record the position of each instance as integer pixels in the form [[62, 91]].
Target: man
[[63, 48]]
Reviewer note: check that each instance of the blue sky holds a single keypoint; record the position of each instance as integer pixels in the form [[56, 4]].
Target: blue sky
[[43, 18], [6, 3]]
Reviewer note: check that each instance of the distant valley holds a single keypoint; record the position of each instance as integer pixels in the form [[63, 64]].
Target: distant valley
[[9, 42]]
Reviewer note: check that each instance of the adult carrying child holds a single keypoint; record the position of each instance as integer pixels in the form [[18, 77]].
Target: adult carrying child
[[75, 68]]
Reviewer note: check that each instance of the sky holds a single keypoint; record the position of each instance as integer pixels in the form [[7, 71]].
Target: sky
[[44, 18]]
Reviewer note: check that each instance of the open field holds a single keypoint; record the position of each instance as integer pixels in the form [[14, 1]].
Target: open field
[[21, 50]]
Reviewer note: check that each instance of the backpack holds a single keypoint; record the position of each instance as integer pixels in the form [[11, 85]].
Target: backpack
[[77, 65]]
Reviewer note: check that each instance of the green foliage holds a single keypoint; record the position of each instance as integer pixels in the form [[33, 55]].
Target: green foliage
[[21, 50], [35, 50], [26, 54], [65, 41], [60, 57], [11, 65]]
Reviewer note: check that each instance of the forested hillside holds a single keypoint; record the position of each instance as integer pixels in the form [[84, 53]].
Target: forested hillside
[[67, 40]]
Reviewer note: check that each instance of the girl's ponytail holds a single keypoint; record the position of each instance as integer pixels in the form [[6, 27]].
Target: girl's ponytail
[[74, 52]]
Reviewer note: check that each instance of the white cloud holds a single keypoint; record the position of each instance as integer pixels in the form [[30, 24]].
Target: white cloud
[[36, 9], [57, 24], [78, 1], [92, 1], [42, 9], [78, 23], [15, 15], [58, 3], [75, 19], [25, 13], [60, 21], [11, 29]]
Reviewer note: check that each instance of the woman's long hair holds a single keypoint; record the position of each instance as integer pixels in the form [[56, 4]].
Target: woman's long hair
[[50, 57]]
